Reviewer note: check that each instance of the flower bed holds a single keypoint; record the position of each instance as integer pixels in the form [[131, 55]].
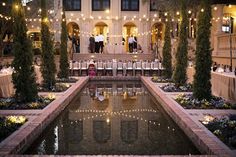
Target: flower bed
[[171, 87], [69, 80], [59, 87], [12, 104], [160, 80], [9, 124], [189, 102], [224, 128]]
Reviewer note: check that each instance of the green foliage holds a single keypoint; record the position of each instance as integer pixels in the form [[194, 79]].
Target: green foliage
[[167, 63], [23, 76], [48, 67], [64, 65], [180, 76], [202, 77], [10, 124]]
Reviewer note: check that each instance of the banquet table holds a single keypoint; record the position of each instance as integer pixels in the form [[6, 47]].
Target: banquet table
[[6, 85], [223, 84]]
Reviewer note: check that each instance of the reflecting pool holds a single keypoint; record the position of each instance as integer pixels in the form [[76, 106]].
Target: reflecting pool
[[113, 118]]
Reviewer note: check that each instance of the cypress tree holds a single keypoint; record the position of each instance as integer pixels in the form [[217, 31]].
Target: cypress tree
[[48, 67], [64, 65], [167, 63], [23, 75], [202, 77], [180, 76]]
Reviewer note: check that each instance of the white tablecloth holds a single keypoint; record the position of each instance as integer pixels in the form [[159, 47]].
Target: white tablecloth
[[6, 86], [223, 84]]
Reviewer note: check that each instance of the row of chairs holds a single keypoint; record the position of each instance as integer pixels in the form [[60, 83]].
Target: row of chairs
[[117, 68]]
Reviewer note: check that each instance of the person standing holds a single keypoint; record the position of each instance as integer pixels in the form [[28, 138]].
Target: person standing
[[101, 42], [78, 45], [73, 44], [92, 43], [135, 44], [131, 43], [97, 44]]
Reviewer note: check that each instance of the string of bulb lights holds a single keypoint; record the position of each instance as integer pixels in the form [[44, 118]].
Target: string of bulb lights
[[81, 17]]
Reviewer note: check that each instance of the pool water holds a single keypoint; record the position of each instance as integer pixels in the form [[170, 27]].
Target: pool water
[[113, 118]]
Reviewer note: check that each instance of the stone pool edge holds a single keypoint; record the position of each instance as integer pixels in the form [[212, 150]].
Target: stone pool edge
[[200, 137], [22, 138]]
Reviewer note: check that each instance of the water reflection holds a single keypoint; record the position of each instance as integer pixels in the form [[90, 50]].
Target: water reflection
[[113, 118]]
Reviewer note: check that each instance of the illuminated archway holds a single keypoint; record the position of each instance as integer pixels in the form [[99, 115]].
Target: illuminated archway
[[129, 29], [73, 31], [101, 28], [157, 32]]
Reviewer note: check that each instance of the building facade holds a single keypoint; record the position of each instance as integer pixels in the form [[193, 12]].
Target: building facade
[[118, 19]]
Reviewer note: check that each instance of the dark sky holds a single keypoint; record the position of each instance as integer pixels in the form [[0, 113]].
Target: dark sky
[[224, 1]]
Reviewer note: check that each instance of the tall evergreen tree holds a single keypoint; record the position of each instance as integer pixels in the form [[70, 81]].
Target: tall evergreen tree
[[23, 76], [180, 76], [64, 65], [48, 67], [202, 77], [167, 63]]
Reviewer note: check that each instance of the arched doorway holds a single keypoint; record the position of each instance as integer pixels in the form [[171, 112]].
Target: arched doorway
[[73, 31], [102, 28], [157, 38], [128, 30], [157, 32]]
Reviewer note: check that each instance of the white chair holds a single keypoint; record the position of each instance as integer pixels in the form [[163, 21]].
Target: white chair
[[76, 67], [138, 68], [84, 68], [129, 68], [100, 68], [71, 67], [147, 68], [120, 67], [108, 68], [155, 67]]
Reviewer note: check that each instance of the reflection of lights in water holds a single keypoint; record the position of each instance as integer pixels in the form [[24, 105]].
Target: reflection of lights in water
[[121, 114], [108, 120], [57, 140]]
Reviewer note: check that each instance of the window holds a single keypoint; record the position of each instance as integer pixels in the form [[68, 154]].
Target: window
[[100, 5], [130, 5], [153, 5], [72, 5]]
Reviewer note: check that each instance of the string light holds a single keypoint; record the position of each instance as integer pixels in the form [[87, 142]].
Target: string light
[[3, 4]]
